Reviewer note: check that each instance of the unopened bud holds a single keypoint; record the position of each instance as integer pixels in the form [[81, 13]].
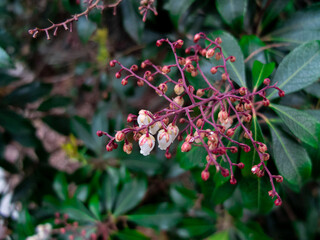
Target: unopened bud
[[279, 179], [266, 156], [182, 61], [210, 53], [239, 107], [222, 115], [224, 172], [271, 193], [224, 76], [186, 147], [127, 148], [281, 93], [134, 68], [230, 132], [168, 155], [266, 102], [203, 52], [241, 165], [124, 82], [99, 133], [194, 73], [213, 70], [266, 81], [247, 118], [218, 56], [165, 69], [112, 63], [179, 100], [118, 75], [119, 136], [255, 169], [247, 106], [205, 175], [196, 38], [232, 59], [278, 202], [262, 148], [246, 135], [233, 181], [218, 40], [140, 82], [243, 91], [159, 43], [200, 92], [163, 87], [234, 149]]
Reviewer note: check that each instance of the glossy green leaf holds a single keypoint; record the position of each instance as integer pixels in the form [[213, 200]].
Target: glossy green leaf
[[223, 192], [182, 196], [194, 228], [254, 193], [291, 159], [94, 206], [196, 157], [272, 11], [313, 90], [5, 61], [301, 124], [27, 93], [85, 29], [61, 124], [251, 158], [261, 71], [130, 196], [19, 128], [161, 216], [132, 22], [251, 43], [110, 182], [230, 47], [77, 211], [301, 27], [54, 102], [250, 231], [223, 235], [130, 234], [81, 129], [60, 185], [298, 69], [232, 11]]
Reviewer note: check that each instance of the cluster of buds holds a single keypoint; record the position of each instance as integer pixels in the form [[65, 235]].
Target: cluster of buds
[[222, 110], [145, 6], [71, 229]]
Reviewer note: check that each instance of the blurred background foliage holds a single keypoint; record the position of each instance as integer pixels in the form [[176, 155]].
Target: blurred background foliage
[[55, 95]]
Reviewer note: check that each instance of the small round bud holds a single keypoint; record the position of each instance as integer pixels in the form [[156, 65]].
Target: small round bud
[[179, 100], [178, 89], [218, 40], [130, 118], [241, 165], [233, 181], [234, 149], [194, 73], [266, 102], [222, 115], [239, 107], [187, 51], [119, 136], [200, 92], [199, 122], [140, 82], [210, 53], [127, 148], [163, 88], [205, 175], [255, 169], [147, 74], [62, 230], [159, 43], [83, 232], [266, 81], [246, 135], [243, 91], [266, 156], [196, 38], [124, 82], [247, 106], [246, 149], [112, 63], [134, 68], [179, 43], [279, 179], [168, 155], [232, 59], [262, 148], [281, 93], [218, 56], [186, 147], [213, 70], [118, 75], [191, 89], [232, 99], [182, 61], [165, 69], [247, 118], [278, 202], [109, 147], [150, 78], [99, 133], [224, 76], [203, 52], [230, 132], [224, 172], [271, 193], [143, 64]]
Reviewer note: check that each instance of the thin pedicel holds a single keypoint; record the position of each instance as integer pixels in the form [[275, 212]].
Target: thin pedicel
[[223, 110]]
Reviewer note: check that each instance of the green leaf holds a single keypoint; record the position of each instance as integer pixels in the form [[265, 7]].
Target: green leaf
[[196, 157], [194, 228], [161, 217], [130, 234], [273, 11], [60, 185], [313, 90], [81, 129], [251, 43], [301, 27], [132, 22], [222, 192], [291, 159], [301, 124], [232, 11], [77, 211], [298, 69], [250, 231], [85, 29], [61, 124], [261, 71], [251, 158], [94, 206], [27, 93], [5, 61], [54, 102], [254, 193], [223, 235], [230, 47], [182, 196], [177, 9], [110, 182], [130, 196], [19, 128]]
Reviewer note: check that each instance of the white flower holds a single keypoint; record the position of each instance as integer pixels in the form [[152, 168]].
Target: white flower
[[173, 131], [154, 128], [146, 144], [164, 139], [33, 237], [44, 231], [144, 118]]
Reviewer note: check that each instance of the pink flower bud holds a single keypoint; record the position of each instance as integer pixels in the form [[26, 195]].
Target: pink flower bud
[[266, 102], [210, 53], [232, 59], [224, 172], [99, 133], [262, 147], [118, 75], [243, 91], [205, 175], [186, 147], [127, 148], [213, 70], [233, 181], [241, 165], [119, 136], [266, 81], [255, 169], [196, 38], [178, 89], [278, 202], [281, 93]]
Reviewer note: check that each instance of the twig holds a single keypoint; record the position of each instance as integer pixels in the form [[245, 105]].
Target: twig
[[274, 45]]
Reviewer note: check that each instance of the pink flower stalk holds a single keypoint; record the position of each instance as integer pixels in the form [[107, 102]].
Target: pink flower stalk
[[234, 108]]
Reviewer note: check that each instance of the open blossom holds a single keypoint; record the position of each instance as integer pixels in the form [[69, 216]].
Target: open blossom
[[164, 139], [144, 118], [146, 144], [173, 131], [153, 129]]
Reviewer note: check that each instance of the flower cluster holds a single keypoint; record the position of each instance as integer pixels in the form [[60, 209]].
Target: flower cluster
[[207, 117]]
